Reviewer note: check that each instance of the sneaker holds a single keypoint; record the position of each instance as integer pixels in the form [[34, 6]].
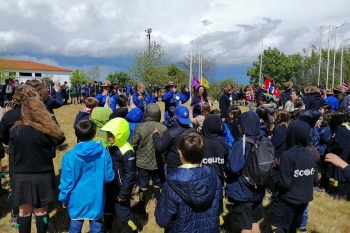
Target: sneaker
[[302, 230], [13, 221], [319, 190]]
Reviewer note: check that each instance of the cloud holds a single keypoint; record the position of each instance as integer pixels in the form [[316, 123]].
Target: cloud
[[206, 22]]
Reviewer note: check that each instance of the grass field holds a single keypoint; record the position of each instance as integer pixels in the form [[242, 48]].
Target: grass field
[[325, 214]]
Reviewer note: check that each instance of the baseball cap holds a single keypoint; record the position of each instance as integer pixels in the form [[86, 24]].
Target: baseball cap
[[182, 114]]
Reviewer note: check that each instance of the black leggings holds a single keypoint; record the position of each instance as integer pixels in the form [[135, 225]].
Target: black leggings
[[343, 188]]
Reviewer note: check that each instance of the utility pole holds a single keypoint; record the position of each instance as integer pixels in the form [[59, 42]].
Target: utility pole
[[149, 31]]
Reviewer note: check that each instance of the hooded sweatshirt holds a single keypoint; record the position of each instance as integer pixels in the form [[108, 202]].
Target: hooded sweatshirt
[[85, 170], [297, 168], [134, 117], [314, 101], [100, 117], [311, 116], [190, 201], [119, 112], [123, 156], [236, 189], [216, 150], [142, 142]]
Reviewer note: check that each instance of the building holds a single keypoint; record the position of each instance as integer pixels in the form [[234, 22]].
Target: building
[[24, 70]]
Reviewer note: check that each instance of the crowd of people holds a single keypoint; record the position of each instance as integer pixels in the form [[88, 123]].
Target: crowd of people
[[194, 158]]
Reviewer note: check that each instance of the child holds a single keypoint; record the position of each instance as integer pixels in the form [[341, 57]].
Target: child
[[198, 120], [191, 199], [100, 117], [234, 112], [79, 174], [134, 117], [225, 131], [124, 164], [265, 121], [296, 175], [123, 110], [169, 122], [90, 103]]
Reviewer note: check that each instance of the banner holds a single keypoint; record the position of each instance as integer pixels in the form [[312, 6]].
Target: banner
[[269, 85], [205, 82], [195, 83]]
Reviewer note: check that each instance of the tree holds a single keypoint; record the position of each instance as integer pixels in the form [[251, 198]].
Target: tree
[[150, 67], [216, 88], [78, 76], [47, 79], [119, 77], [94, 73], [4, 71], [208, 66], [176, 75]]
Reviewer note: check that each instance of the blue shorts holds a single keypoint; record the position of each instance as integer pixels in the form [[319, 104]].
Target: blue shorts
[[144, 176]]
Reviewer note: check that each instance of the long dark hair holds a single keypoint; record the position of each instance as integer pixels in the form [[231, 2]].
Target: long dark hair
[[263, 114], [205, 94]]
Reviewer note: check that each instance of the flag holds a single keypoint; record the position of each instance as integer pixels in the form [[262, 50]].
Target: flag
[[195, 83], [204, 82], [269, 85], [345, 86]]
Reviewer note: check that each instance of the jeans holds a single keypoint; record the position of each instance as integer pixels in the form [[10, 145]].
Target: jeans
[[95, 226], [305, 217]]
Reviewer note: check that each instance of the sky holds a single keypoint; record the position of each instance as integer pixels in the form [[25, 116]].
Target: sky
[[80, 34]]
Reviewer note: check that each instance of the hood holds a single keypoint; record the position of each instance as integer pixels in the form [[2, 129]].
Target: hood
[[298, 134], [269, 108], [196, 186], [211, 126], [250, 123], [88, 149], [100, 116], [120, 112], [134, 116], [119, 127], [152, 113], [310, 116]]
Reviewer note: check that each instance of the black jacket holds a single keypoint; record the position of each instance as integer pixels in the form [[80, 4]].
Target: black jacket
[[285, 96], [216, 150], [314, 101], [169, 143], [119, 112], [297, 169], [278, 139], [259, 94], [224, 103], [7, 121]]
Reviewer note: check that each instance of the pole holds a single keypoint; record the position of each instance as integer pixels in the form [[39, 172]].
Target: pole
[[261, 55], [199, 62], [190, 79], [335, 51], [201, 65], [329, 35], [342, 55], [319, 60]]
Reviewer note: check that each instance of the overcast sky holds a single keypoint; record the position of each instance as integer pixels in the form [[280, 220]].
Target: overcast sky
[[83, 33]]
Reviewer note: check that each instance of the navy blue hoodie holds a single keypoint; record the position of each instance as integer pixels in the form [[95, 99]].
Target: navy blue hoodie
[[191, 201], [297, 168], [236, 189]]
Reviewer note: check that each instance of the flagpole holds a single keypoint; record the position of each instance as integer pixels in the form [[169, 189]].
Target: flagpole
[[190, 79], [342, 54], [329, 35], [320, 60], [201, 65], [261, 55], [199, 60], [335, 51]]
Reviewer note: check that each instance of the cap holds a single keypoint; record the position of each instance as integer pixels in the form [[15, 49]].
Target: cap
[[182, 114]]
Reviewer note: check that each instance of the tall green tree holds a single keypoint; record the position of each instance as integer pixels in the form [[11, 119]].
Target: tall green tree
[[79, 76], [119, 77], [216, 88]]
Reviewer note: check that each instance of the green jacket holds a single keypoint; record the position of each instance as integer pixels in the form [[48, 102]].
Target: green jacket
[[72, 90], [142, 138]]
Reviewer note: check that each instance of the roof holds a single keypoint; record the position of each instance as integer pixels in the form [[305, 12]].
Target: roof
[[29, 65]]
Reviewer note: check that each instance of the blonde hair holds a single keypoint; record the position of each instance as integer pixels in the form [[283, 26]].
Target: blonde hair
[[22, 93], [35, 115]]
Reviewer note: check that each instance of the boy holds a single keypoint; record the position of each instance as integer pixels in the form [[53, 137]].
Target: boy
[[90, 103], [124, 163], [191, 199], [123, 110], [295, 180], [79, 174]]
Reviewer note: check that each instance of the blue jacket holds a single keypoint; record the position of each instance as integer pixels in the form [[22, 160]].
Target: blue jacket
[[171, 99], [333, 102], [197, 109], [325, 135], [134, 117], [87, 89], [227, 136], [54, 102], [142, 103], [85, 170], [236, 189], [127, 89], [314, 101], [102, 100], [190, 201]]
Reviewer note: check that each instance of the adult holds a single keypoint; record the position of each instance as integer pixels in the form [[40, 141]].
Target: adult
[[141, 98], [331, 100], [198, 99], [286, 95], [107, 98], [128, 89], [173, 98], [225, 102], [315, 100], [290, 104], [346, 100], [339, 94], [33, 176], [149, 90], [261, 91]]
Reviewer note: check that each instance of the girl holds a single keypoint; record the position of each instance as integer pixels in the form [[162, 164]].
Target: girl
[[265, 121], [199, 119], [31, 142], [290, 105], [234, 112], [198, 100]]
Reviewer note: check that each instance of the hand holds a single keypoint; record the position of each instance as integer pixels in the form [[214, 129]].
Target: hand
[[120, 199], [333, 158], [119, 93], [64, 205], [56, 87], [155, 130], [201, 103], [223, 119], [192, 108], [155, 95], [140, 97], [105, 92]]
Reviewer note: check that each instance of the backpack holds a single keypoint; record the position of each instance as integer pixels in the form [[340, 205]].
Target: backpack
[[258, 167], [9, 89]]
